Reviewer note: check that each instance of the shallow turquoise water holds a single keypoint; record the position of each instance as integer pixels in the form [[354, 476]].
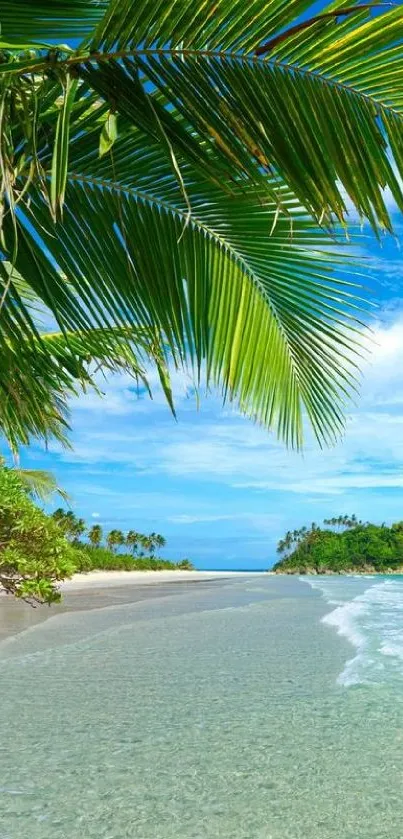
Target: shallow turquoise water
[[234, 711]]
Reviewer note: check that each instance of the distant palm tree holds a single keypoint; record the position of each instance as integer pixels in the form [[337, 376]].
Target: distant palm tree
[[155, 540], [133, 540], [59, 515], [144, 542], [111, 540], [114, 539], [78, 529], [160, 541], [95, 535], [120, 538], [68, 522]]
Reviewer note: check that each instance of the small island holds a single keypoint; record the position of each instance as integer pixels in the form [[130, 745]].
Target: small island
[[344, 545]]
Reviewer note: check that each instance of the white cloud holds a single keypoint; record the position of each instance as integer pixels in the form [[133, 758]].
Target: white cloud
[[186, 519], [217, 445], [259, 522], [121, 395], [95, 515]]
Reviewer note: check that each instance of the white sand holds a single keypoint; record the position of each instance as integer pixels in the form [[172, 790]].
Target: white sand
[[95, 579]]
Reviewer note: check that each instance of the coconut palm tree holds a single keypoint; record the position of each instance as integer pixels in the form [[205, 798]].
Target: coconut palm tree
[[111, 539], [155, 540], [160, 541], [133, 540], [115, 539], [178, 170], [80, 528], [72, 526], [95, 535], [39, 483], [120, 538]]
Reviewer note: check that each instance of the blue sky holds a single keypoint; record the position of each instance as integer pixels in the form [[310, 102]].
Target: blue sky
[[221, 489]]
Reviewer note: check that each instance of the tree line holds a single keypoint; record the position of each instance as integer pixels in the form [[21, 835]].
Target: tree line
[[344, 544], [139, 544], [37, 550]]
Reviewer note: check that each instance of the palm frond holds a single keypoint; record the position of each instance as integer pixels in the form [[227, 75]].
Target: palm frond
[[41, 20], [41, 484], [201, 221], [39, 376], [275, 326], [319, 109]]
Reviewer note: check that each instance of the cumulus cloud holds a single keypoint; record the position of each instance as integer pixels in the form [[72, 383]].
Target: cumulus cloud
[[216, 445], [214, 475], [121, 395]]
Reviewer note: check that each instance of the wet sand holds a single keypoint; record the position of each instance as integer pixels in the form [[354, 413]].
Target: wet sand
[[98, 590]]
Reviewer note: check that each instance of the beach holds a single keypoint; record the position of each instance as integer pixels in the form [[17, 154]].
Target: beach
[[252, 706], [100, 589], [94, 579]]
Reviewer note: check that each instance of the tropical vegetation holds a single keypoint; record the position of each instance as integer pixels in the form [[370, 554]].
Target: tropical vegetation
[[37, 551], [34, 555], [173, 179], [88, 558], [40, 483], [75, 528], [344, 545], [115, 550]]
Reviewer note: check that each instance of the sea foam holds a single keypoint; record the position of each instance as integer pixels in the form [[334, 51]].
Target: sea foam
[[370, 617]]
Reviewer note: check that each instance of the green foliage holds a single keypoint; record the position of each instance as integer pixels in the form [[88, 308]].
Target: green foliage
[[37, 551], [178, 173], [95, 535], [88, 558], [133, 540], [72, 527], [94, 556], [353, 547], [115, 539], [34, 555], [185, 565], [40, 373], [40, 485]]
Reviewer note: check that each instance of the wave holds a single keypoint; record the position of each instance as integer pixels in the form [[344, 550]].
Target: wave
[[370, 617]]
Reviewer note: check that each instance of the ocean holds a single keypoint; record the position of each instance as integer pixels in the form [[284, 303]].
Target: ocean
[[249, 708]]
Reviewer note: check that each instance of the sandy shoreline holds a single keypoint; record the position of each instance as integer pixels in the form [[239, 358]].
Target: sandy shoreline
[[94, 579], [100, 589]]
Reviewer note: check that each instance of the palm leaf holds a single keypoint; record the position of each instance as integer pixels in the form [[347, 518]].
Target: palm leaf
[[41, 484], [201, 221], [39, 20], [319, 108], [274, 327], [39, 376]]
